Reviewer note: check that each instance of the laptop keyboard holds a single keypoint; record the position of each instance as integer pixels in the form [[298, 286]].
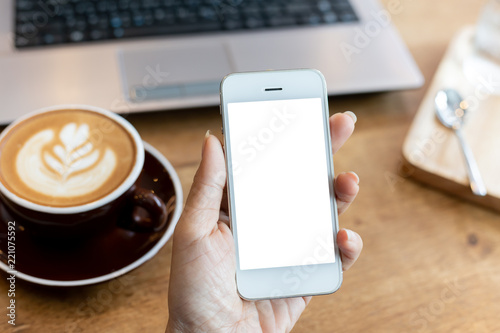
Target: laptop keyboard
[[50, 22]]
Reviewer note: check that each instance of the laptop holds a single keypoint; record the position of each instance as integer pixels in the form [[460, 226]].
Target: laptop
[[147, 55]]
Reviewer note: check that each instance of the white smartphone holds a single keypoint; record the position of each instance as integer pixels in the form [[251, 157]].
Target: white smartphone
[[282, 204]]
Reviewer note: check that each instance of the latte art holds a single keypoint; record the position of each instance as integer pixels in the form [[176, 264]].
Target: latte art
[[76, 154], [72, 169], [66, 158]]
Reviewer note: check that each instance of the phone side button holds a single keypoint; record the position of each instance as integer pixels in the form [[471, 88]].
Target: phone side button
[[222, 130]]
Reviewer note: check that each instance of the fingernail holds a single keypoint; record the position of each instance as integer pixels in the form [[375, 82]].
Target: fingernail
[[352, 115], [205, 142], [356, 176], [350, 234]]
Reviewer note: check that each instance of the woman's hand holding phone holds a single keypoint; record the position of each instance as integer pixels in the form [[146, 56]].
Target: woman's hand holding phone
[[202, 289]]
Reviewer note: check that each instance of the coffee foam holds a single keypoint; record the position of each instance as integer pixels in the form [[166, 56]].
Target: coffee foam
[[66, 158]]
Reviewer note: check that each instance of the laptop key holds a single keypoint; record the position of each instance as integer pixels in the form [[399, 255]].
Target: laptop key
[[162, 16], [207, 13], [98, 34], [330, 17], [225, 11], [252, 10], [57, 26], [151, 4], [233, 24], [25, 4], [81, 23], [125, 18], [84, 7], [49, 39], [310, 19], [324, 6], [185, 14], [115, 21], [123, 4], [298, 7], [26, 16], [275, 11], [135, 5], [281, 21], [340, 4], [254, 22], [22, 41], [148, 17], [76, 36], [348, 17]]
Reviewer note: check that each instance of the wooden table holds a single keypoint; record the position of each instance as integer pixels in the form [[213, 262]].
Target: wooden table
[[431, 263]]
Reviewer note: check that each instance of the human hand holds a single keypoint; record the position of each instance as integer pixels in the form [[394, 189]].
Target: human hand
[[202, 293]]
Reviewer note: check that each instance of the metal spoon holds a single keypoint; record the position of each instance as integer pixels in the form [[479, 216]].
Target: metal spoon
[[450, 110]]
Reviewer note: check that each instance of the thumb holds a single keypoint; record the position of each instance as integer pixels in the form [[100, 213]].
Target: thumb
[[202, 209]]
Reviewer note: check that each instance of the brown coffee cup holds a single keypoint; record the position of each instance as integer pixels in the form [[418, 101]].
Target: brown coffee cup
[[64, 170]]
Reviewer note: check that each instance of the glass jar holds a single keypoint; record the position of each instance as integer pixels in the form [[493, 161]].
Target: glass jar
[[488, 30]]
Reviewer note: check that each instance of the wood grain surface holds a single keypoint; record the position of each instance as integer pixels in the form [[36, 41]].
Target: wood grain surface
[[431, 262]]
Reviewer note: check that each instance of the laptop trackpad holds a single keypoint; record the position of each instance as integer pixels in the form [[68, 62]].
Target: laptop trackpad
[[172, 72]]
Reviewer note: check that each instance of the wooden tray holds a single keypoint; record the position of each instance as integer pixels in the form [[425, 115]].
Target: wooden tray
[[432, 153]]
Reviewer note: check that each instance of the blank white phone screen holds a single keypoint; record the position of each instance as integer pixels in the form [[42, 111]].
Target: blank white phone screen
[[282, 203]]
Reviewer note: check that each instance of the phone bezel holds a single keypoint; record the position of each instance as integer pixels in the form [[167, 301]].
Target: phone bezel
[[281, 282]]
